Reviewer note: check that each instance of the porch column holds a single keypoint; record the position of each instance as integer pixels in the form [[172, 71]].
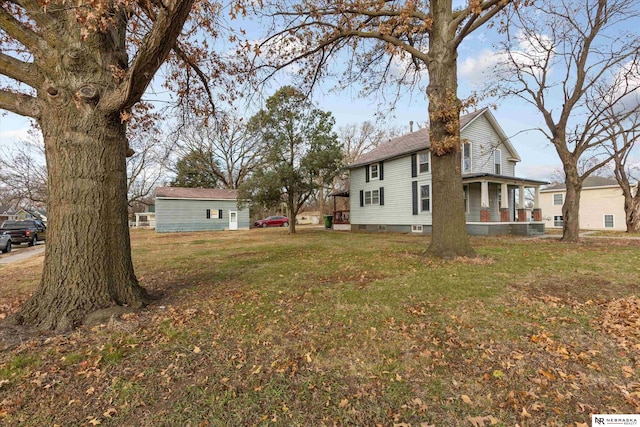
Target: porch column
[[537, 212], [521, 197], [484, 195], [504, 203], [522, 212], [485, 213]]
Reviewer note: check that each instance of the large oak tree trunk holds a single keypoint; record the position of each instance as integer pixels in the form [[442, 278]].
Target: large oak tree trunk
[[449, 230], [571, 206], [88, 255], [88, 263]]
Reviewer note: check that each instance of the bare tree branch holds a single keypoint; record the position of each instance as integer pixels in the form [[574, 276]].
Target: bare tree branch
[[153, 51], [20, 32], [21, 71], [21, 104]]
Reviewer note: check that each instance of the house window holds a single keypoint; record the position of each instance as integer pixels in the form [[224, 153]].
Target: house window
[[425, 198], [373, 171], [465, 194], [558, 221], [466, 157], [557, 199], [423, 162], [416, 229], [497, 161], [608, 221], [214, 213], [372, 197]]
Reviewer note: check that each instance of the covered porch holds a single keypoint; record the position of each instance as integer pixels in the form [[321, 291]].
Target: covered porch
[[341, 210], [498, 204]]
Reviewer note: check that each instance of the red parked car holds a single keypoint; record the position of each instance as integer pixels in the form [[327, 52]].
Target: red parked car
[[272, 221]]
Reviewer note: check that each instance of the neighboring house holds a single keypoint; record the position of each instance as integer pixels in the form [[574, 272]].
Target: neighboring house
[[146, 219], [601, 205], [199, 209], [7, 213], [391, 187], [309, 218], [24, 214]]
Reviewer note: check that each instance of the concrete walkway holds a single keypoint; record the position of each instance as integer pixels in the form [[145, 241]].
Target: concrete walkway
[[587, 234], [21, 255]]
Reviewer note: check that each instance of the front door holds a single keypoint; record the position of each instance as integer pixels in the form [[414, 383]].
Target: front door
[[233, 220]]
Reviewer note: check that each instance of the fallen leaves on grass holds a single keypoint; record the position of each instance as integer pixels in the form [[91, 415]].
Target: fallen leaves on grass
[[480, 421], [621, 319]]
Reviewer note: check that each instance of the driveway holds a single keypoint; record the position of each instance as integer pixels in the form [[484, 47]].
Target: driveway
[[21, 253]]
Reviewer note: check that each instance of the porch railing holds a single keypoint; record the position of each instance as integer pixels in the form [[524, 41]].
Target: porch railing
[[341, 217]]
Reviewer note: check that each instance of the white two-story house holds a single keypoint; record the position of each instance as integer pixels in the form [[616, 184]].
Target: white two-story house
[[391, 186]]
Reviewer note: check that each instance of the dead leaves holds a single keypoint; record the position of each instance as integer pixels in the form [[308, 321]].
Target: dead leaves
[[466, 399], [621, 320], [481, 421]]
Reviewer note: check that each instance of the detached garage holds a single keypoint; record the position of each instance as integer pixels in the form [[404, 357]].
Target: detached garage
[[199, 209]]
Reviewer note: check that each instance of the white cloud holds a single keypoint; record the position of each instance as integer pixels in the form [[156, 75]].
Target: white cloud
[[16, 133], [530, 51], [539, 172], [626, 84], [476, 69]]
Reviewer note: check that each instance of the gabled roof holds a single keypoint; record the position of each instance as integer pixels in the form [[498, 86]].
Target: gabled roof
[[196, 193], [7, 209], [590, 182], [419, 140]]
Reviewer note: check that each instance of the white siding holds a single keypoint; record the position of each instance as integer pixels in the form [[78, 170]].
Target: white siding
[[398, 202], [397, 183], [190, 215], [484, 140], [595, 203]]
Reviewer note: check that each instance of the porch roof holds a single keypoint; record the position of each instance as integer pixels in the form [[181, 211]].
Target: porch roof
[[340, 193], [513, 180]]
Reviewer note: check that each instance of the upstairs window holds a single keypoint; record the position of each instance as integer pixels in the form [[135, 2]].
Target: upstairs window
[[373, 171], [497, 162], [557, 199], [466, 157], [423, 162]]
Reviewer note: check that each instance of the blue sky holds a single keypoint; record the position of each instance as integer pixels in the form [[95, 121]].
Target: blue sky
[[539, 159]]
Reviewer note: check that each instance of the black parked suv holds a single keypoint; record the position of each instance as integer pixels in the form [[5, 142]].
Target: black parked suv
[[27, 231]]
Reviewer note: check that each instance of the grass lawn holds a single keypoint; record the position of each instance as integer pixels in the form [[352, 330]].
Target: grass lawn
[[346, 329]]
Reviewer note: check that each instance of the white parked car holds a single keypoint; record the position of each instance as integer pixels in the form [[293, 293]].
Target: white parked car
[[5, 243]]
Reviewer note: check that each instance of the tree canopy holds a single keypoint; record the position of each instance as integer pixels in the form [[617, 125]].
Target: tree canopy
[[302, 152]]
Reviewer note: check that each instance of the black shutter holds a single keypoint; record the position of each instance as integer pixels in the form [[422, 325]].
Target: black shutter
[[208, 213], [414, 195], [366, 171], [361, 198], [381, 196], [414, 165], [381, 171], [219, 213]]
